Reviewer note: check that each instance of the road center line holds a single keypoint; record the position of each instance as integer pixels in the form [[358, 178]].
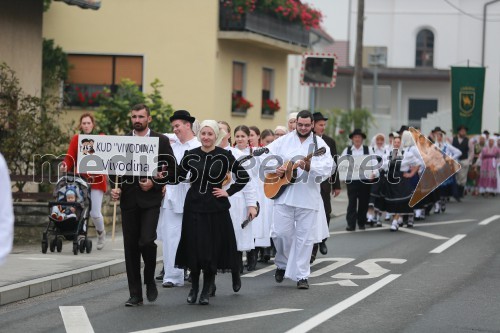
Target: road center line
[[489, 220], [339, 307], [75, 319], [217, 321], [421, 233], [447, 244]]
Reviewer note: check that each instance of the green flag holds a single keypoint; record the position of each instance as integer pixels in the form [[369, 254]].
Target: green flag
[[467, 89]]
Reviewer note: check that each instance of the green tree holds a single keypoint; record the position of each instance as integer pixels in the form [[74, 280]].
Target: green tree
[[113, 114], [28, 127], [55, 66]]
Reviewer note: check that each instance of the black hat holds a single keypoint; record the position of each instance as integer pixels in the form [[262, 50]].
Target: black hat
[[462, 127], [319, 116], [438, 129], [182, 115], [357, 131], [485, 132], [402, 129]]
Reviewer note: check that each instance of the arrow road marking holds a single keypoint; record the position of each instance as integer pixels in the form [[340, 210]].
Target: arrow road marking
[[338, 262], [489, 220], [75, 319], [345, 304], [343, 283], [217, 320], [447, 244], [371, 267]]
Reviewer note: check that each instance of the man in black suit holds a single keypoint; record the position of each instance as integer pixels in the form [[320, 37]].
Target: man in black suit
[[329, 186], [140, 206]]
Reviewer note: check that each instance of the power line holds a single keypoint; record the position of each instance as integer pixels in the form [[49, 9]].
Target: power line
[[467, 14]]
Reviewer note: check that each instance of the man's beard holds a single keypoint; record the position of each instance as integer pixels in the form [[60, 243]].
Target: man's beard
[[139, 127], [303, 135]]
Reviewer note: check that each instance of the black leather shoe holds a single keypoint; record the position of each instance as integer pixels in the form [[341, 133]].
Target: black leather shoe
[[303, 284], [134, 301], [322, 248], [160, 276], [279, 275], [193, 295], [267, 254], [204, 299], [151, 292], [236, 281], [168, 285], [362, 228], [251, 260], [350, 229]]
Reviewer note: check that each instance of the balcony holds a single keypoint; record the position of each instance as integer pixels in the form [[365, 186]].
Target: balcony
[[264, 29]]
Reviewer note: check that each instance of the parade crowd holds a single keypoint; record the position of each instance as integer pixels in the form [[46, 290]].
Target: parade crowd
[[208, 206]]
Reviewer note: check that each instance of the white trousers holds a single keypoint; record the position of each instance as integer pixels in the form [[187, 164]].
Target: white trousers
[[171, 228], [291, 233], [95, 213]]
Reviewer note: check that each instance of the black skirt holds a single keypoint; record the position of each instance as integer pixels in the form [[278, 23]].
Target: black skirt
[[207, 242], [397, 195], [376, 192]]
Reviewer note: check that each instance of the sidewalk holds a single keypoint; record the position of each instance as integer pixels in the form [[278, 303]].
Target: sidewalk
[[29, 273]]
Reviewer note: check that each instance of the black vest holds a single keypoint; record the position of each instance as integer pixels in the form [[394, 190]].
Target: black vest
[[463, 147], [366, 151]]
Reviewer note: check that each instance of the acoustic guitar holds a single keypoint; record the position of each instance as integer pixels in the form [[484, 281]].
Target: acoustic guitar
[[256, 152], [274, 185]]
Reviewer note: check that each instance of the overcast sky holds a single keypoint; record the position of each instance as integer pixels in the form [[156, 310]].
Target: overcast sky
[[335, 16]]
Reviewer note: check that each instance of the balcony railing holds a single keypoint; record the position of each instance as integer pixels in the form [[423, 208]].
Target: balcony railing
[[263, 24]]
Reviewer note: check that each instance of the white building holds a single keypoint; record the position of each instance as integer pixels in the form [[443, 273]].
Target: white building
[[421, 40]]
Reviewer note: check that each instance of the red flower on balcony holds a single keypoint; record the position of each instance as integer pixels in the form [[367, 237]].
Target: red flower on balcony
[[239, 103], [268, 105]]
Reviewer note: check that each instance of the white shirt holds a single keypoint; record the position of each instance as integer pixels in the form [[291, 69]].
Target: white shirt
[[6, 212], [355, 151], [449, 150], [249, 191], [147, 134], [175, 195], [305, 193]]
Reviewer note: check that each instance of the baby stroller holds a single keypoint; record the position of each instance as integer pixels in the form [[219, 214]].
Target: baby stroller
[[68, 219]]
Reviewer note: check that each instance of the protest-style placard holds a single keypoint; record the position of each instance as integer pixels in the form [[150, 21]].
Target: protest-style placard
[[117, 155]]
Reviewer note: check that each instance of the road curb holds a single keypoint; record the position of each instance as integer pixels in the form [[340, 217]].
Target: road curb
[[44, 285]]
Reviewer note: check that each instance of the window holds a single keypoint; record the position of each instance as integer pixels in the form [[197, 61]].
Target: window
[[267, 90], [238, 102], [90, 74], [425, 49], [420, 108]]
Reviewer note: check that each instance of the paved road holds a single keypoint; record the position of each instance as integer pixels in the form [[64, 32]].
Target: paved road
[[441, 276]]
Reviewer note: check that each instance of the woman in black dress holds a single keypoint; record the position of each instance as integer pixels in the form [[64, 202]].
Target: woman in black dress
[[207, 240]]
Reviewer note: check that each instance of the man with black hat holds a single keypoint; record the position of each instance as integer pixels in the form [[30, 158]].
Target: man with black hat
[[140, 201], [358, 191], [461, 141], [332, 184], [170, 221]]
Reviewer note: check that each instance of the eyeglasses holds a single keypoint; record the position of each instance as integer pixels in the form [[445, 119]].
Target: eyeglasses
[[304, 125]]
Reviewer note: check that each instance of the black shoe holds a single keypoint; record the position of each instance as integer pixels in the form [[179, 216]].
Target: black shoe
[[160, 276], [193, 296], [362, 228], [303, 284], [204, 299], [134, 301], [251, 260], [267, 254], [322, 248], [151, 292], [279, 275], [168, 285], [236, 281], [350, 229]]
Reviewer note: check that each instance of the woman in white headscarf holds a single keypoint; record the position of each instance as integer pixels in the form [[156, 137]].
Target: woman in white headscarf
[[207, 241], [376, 206]]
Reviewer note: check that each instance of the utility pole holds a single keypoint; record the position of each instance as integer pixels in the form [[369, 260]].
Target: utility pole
[[358, 61]]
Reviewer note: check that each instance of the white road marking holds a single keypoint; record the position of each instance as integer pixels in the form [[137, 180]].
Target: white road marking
[[343, 283], [338, 262], [371, 267], [260, 271], [320, 318], [422, 233], [36, 259], [489, 219], [217, 321], [75, 319], [425, 224], [358, 231], [447, 244]]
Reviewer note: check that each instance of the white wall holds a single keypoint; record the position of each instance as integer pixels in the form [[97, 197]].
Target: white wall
[[458, 38]]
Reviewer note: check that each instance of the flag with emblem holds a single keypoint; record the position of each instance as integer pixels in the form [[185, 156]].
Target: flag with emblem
[[467, 89]]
